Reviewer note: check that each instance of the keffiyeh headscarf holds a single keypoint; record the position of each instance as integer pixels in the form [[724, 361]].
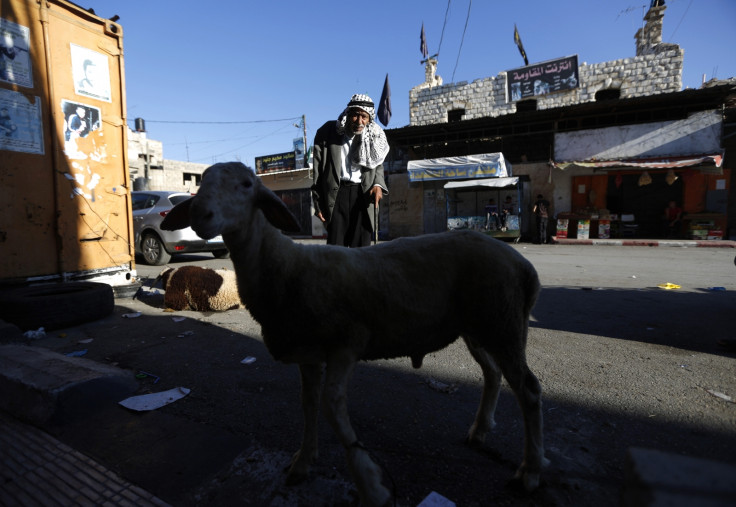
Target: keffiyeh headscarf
[[373, 143]]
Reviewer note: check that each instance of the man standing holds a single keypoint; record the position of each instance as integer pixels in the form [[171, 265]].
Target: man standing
[[541, 211], [348, 173]]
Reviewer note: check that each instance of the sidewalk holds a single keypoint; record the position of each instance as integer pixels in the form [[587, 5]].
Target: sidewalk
[[37, 469], [687, 243]]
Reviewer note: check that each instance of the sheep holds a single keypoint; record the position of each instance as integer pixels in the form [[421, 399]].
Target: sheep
[[403, 298], [200, 289]]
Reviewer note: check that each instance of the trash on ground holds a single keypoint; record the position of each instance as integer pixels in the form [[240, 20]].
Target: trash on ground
[[719, 395], [178, 319], [76, 353], [717, 288], [85, 341], [185, 333], [434, 499], [35, 335], [153, 401], [132, 315], [668, 286], [441, 386], [144, 374], [248, 360]]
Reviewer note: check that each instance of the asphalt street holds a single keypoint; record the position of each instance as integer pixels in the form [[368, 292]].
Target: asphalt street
[[622, 361]]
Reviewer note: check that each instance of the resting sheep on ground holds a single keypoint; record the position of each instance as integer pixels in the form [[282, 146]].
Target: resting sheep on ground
[[200, 289], [407, 297]]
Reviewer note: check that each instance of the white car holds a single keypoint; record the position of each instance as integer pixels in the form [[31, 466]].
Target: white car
[[157, 246]]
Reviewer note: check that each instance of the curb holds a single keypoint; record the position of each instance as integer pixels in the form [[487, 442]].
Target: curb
[[647, 242]]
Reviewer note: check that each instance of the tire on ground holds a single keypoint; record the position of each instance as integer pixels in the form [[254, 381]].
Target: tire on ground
[[56, 305]]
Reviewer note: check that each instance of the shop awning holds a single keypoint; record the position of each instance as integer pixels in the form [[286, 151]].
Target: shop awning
[[486, 182], [484, 165], [708, 161]]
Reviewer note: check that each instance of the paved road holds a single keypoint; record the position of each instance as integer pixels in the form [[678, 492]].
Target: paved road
[[623, 363]]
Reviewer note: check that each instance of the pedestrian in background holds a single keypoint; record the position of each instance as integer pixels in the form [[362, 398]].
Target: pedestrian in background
[[348, 173], [541, 211]]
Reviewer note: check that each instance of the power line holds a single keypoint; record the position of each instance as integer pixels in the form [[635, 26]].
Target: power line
[[461, 42], [222, 122], [442, 35]]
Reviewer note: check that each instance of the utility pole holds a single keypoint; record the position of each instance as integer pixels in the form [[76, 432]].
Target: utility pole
[[306, 146]]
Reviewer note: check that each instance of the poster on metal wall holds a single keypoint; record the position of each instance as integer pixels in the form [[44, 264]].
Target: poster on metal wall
[[15, 55], [279, 162], [542, 78], [91, 73], [20, 122]]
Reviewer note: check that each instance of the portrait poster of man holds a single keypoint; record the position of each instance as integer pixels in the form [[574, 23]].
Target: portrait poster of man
[[91, 73], [15, 57]]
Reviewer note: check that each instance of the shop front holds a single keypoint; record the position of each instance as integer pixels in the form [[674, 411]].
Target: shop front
[[625, 179], [441, 203]]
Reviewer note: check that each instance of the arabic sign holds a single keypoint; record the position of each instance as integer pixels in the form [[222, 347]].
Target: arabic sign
[[279, 162], [487, 165], [542, 78]]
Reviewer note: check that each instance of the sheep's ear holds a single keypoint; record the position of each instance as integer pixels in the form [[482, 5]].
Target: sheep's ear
[[178, 217], [276, 211]]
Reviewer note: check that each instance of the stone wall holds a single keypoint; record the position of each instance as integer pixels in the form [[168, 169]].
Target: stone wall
[[656, 68], [638, 76]]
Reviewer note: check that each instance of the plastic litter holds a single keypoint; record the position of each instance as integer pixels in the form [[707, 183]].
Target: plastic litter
[[441, 386], [178, 319], [76, 353], [131, 315], [146, 402], [668, 286], [716, 288], [144, 374], [720, 395], [248, 360], [35, 335], [434, 499], [85, 341]]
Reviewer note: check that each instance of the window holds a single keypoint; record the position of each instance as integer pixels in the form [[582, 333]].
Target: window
[[192, 178], [608, 94], [455, 115]]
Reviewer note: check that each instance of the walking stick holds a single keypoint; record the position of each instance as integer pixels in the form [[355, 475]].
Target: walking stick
[[375, 224]]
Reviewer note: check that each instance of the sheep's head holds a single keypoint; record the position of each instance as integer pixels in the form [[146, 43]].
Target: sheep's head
[[227, 199]]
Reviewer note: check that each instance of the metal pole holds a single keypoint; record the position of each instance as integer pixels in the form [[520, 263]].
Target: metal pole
[[306, 147]]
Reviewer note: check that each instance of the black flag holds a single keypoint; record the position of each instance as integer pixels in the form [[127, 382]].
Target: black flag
[[517, 39], [384, 106], [423, 43]]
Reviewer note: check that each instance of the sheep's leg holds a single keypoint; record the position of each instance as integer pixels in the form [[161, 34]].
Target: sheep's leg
[[366, 473], [311, 375], [484, 418], [529, 395]]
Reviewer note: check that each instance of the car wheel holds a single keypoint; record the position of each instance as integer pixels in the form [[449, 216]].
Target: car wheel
[[153, 250], [56, 305], [221, 254]]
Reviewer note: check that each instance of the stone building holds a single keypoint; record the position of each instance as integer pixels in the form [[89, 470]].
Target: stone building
[[586, 144]]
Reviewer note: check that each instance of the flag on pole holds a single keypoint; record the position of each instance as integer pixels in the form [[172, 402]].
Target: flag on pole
[[384, 105], [517, 39], [423, 43]]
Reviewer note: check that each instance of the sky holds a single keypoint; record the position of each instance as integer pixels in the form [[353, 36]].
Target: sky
[[230, 80]]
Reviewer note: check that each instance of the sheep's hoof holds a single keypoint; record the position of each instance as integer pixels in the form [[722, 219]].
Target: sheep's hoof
[[293, 478], [525, 480]]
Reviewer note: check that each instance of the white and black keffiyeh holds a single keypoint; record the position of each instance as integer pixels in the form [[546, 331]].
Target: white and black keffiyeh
[[373, 143]]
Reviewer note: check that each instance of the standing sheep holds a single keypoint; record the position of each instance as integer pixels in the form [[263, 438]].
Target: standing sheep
[[407, 297]]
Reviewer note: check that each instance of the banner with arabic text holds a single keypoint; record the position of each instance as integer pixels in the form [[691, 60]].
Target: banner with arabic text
[[542, 78]]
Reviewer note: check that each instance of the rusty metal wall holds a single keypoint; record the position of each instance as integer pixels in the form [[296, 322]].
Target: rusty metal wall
[[64, 196]]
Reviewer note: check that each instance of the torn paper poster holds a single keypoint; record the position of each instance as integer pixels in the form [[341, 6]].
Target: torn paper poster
[[153, 401]]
